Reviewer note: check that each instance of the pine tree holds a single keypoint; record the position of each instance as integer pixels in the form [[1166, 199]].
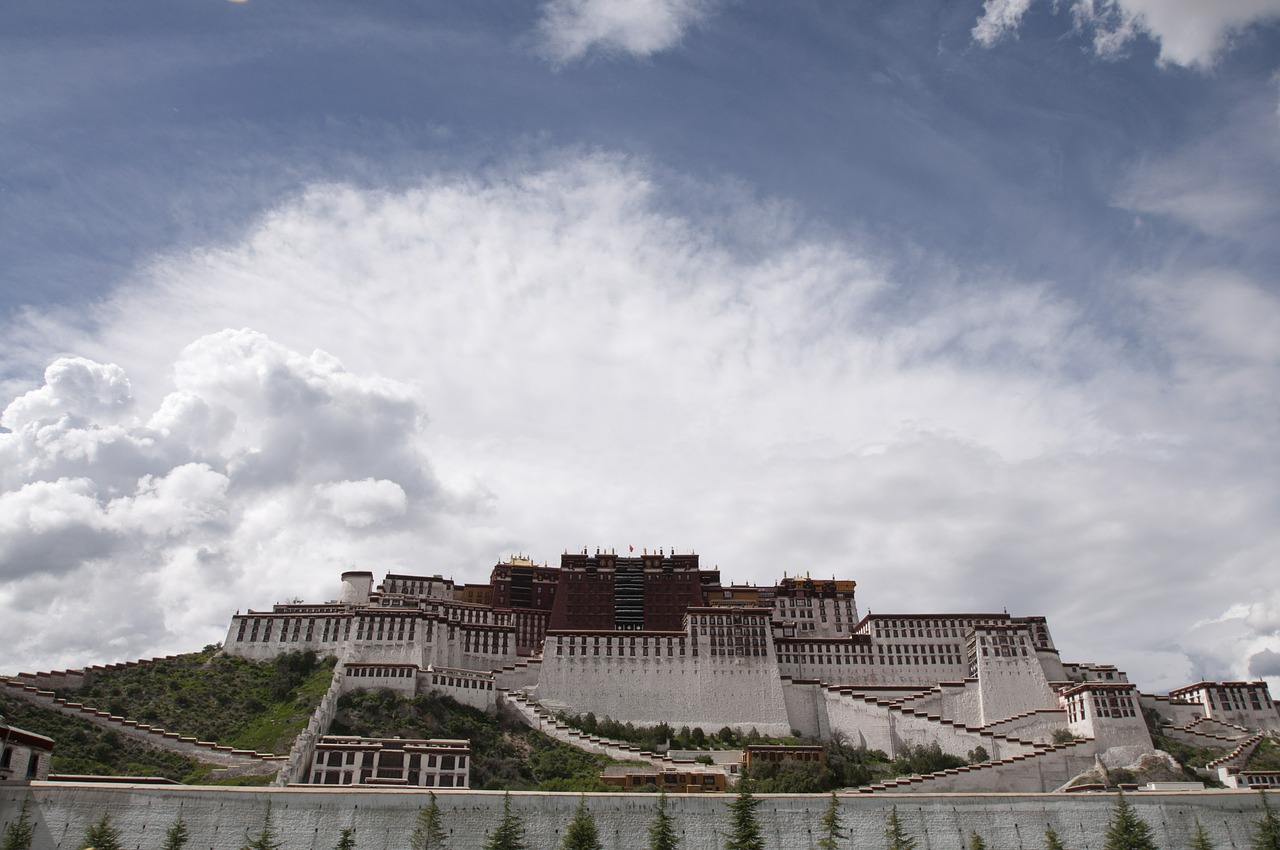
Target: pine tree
[[428, 831], [662, 830], [830, 831], [1051, 840], [582, 833], [509, 833], [1200, 841], [896, 837], [266, 839], [346, 840], [975, 841], [1127, 831], [177, 835], [744, 830], [19, 832], [1266, 834], [102, 835]]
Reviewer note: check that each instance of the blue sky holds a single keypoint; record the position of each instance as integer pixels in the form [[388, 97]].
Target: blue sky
[[973, 302]]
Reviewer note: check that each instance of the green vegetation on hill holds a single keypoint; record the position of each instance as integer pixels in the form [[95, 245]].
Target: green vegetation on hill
[[1265, 757], [84, 747], [505, 754], [1192, 758], [251, 705], [662, 737], [846, 766]]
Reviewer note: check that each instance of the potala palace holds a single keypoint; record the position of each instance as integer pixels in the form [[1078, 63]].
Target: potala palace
[[655, 638]]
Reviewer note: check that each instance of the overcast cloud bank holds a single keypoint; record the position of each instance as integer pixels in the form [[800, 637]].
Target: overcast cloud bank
[[551, 358]]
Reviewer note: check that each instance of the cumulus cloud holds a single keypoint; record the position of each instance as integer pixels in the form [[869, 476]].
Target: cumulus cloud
[[1265, 664], [362, 503], [1190, 33], [603, 370], [571, 29], [227, 485]]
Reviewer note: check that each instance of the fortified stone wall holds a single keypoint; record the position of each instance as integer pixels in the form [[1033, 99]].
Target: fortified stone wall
[[806, 708], [838, 668], [1012, 684], [522, 674], [310, 819], [1034, 725], [1177, 713], [683, 690], [956, 701]]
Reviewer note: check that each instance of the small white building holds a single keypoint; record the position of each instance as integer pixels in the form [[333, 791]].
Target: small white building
[[1245, 704], [403, 762], [24, 755]]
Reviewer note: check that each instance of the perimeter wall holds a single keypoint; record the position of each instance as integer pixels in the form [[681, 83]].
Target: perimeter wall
[[221, 819]]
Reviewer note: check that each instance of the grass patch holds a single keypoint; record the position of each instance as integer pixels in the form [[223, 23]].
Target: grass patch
[[87, 748], [1265, 757], [505, 754], [211, 697]]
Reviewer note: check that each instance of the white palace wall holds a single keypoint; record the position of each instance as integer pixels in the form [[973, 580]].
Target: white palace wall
[[956, 701], [311, 819], [680, 690]]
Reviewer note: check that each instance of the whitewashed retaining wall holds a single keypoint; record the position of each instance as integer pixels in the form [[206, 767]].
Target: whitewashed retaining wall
[[310, 819], [742, 693]]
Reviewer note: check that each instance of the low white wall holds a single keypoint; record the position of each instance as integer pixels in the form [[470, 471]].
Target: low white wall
[[310, 819]]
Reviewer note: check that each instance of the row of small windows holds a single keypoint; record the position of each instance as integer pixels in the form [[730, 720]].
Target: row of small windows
[[462, 682], [1104, 705], [882, 660], [381, 672], [726, 620]]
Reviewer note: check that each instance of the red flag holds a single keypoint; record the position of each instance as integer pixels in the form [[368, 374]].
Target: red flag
[[632, 548]]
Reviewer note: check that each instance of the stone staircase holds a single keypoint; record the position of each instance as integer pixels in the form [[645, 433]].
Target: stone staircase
[[204, 751], [1207, 732], [1235, 761], [1006, 774], [537, 717]]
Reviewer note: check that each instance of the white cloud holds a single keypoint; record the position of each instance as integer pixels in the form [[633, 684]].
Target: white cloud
[[224, 496], [1224, 184], [571, 29], [362, 503], [602, 371], [999, 19], [1191, 33]]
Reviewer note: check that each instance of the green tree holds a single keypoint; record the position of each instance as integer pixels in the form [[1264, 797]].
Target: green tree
[[662, 829], [975, 841], [346, 839], [895, 834], [177, 835], [1266, 832], [102, 835], [1200, 840], [1051, 840], [509, 833], [1127, 831], [744, 830], [582, 833], [266, 839], [20, 831], [428, 830], [829, 826]]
